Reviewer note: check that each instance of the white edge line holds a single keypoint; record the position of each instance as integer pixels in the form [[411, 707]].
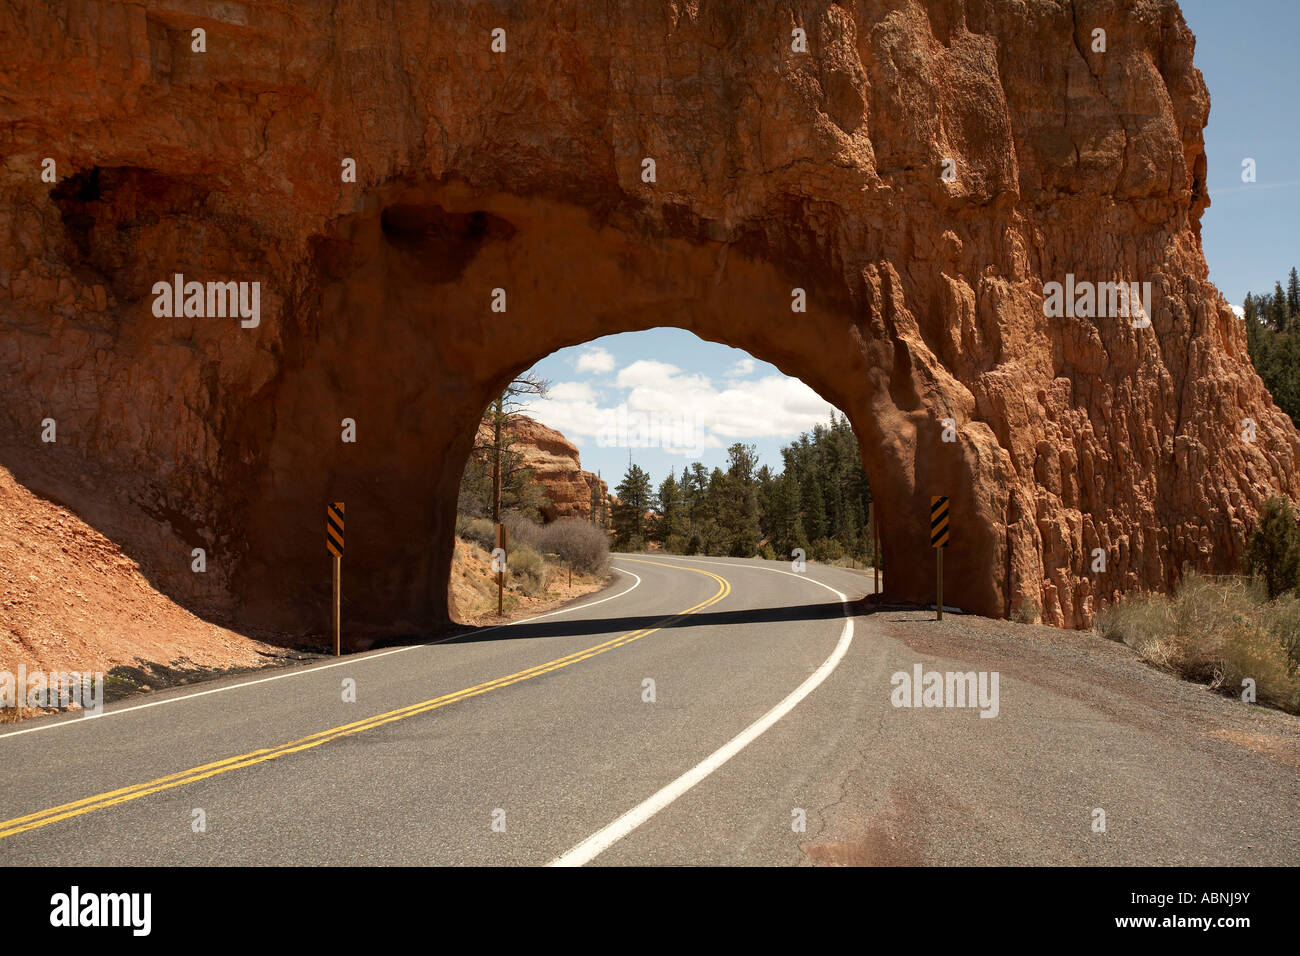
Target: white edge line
[[72, 721], [603, 839]]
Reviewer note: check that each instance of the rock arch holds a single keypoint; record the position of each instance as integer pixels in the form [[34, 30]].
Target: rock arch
[[522, 170]]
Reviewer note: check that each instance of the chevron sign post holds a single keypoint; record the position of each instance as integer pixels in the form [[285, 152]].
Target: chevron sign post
[[939, 541]]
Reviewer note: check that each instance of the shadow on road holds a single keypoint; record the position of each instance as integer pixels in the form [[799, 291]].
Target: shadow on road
[[624, 624]]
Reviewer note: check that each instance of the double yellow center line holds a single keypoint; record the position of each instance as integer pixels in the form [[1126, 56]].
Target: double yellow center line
[[65, 811]]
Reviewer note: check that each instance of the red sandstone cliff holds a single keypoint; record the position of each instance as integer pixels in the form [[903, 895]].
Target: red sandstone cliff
[[777, 167]]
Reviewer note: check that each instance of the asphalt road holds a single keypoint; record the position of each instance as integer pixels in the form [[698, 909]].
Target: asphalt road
[[535, 743]]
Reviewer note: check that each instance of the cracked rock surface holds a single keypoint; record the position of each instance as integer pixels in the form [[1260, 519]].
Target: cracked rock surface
[[522, 171]]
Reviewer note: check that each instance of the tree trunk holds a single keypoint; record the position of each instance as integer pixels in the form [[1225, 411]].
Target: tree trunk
[[496, 461]]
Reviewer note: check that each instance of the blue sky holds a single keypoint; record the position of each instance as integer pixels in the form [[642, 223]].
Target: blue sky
[[1247, 53], [678, 398]]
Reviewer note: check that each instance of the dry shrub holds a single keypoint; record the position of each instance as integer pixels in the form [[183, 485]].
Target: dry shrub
[[1217, 631], [522, 530], [580, 544], [479, 530], [527, 570]]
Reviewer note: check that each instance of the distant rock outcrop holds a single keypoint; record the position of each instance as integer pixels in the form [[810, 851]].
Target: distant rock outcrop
[[556, 466]]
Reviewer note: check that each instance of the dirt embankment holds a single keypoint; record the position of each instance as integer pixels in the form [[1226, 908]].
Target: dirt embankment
[[70, 600]]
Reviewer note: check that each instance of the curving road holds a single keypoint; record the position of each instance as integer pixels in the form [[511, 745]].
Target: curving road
[[535, 743]]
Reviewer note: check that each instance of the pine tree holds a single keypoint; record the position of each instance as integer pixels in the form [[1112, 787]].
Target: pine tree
[[669, 509], [1278, 310], [1251, 318], [739, 517], [629, 514], [715, 495], [1293, 294], [1273, 549], [767, 505], [1274, 352], [814, 509], [798, 537], [820, 496]]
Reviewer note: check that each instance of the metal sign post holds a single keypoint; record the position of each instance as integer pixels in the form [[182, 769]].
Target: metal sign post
[[873, 533], [939, 541], [880, 556], [501, 574], [334, 544]]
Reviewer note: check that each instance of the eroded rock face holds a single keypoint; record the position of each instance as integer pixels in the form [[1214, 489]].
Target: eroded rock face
[[523, 171], [555, 465]]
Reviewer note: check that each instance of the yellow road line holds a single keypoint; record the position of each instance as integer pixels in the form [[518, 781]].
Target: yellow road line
[[65, 811]]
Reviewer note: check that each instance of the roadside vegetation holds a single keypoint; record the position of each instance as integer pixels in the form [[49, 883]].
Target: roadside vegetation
[[547, 563], [569, 543], [818, 502], [1223, 631]]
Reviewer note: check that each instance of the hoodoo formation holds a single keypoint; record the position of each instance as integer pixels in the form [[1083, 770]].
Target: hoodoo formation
[[553, 463], [921, 170]]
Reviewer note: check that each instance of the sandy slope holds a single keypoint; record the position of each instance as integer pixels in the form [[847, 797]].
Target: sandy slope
[[71, 600]]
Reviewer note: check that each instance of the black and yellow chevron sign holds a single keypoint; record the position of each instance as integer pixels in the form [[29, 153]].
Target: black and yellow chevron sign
[[939, 522], [334, 528]]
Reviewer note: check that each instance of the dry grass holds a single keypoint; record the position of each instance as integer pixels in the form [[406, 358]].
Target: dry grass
[[533, 585], [1218, 631]]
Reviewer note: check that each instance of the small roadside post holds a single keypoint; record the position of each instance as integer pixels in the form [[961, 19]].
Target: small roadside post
[[334, 544], [874, 531], [500, 563], [939, 541]]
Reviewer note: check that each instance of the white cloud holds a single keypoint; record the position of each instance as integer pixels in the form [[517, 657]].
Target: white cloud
[[647, 373], [595, 360], [1238, 311], [652, 398], [573, 392]]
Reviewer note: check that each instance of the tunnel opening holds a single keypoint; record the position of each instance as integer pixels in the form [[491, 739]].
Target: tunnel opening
[[433, 297], [656, 442]]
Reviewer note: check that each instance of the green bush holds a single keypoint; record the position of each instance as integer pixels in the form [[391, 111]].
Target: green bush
[[766, 553], [1286, 630], [633, 544], [1027, 612], [826, 550], [676, 544], [1273, 548], [744, 545]]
